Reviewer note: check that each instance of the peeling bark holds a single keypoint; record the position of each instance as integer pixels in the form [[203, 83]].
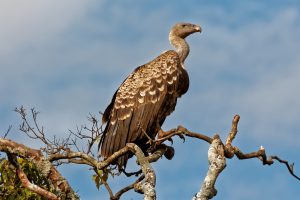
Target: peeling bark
[[217, 162]]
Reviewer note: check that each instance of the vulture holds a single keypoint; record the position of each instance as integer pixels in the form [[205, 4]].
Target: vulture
[[147, 96]]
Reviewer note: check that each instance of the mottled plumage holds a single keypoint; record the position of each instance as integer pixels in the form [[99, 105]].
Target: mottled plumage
[[143, 101]]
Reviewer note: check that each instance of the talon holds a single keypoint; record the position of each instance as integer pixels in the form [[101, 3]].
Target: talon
[[171, 140], [181, 136]]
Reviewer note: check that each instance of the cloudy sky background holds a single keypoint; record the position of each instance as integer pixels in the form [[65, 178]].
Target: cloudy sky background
[[66, 59]]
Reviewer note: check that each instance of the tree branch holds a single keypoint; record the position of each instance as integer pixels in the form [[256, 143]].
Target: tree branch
[[26, 183], [147, 187], [217, 162], [127, 188], [43, 165], [230, 150]]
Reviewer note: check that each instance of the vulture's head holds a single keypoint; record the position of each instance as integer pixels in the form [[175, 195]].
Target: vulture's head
[[183, 30]]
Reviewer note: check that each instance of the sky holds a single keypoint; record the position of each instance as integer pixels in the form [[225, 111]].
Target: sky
[[67, 58]]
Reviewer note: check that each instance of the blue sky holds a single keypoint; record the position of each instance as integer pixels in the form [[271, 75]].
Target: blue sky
[[66, 59]]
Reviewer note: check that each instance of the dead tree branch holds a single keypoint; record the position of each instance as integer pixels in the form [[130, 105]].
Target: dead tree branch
[[118, 195], [148, 186], [289, 166], [230, 150], [217, 162]]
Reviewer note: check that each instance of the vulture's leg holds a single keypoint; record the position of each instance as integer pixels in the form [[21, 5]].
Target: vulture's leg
[[150, 140]]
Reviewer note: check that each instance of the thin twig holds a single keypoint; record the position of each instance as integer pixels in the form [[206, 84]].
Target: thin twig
[[118, 195], [289, 166], [229, 150], [110, 192], [7, 131]]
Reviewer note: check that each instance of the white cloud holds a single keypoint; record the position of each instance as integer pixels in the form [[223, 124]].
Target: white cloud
[[28, 23]]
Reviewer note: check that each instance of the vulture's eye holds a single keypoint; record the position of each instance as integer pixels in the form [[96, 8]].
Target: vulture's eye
[[183, 25]]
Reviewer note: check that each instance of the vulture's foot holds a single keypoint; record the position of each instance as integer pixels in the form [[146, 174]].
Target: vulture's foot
[[181, 130], [150, 140], [165, 135]]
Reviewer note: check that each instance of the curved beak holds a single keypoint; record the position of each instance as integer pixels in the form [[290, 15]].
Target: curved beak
[[198, 28]]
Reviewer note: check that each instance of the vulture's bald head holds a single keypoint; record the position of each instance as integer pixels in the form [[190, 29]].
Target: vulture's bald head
[[183, 30]]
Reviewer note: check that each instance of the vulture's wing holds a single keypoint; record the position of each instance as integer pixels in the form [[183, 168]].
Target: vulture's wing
[[139, 101]]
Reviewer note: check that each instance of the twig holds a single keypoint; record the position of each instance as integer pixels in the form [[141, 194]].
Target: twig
[[118, 195], [229, 150], [289, 166], [7, 131], [111, 194], [94, 133]]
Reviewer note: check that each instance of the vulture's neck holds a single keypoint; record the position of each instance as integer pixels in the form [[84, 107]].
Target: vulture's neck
[[181, 46]]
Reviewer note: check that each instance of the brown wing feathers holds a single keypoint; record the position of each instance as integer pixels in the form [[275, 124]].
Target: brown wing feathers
[[142, 102]]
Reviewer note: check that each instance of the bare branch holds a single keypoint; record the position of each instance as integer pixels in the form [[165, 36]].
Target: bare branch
[[289, 166], [217, 162], [261, 154], [92, 136], [229, 151], [118, 195], [110, 192], [28, 129], [148, 187], [69, 155]]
